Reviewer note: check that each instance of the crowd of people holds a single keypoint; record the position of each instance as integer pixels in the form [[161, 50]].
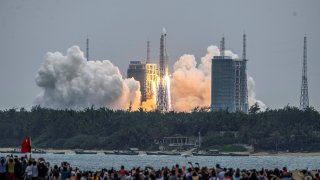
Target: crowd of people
[[24, 168]]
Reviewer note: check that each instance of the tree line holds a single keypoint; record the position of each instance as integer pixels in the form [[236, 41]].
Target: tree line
[[285, 129]]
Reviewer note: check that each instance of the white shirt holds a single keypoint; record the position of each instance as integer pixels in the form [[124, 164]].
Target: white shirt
[[221, 175], [29, 170], [35, 171]]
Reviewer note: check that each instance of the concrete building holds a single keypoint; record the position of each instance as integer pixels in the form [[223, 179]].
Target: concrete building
[[137, 70], [229, 83], [147, 75]]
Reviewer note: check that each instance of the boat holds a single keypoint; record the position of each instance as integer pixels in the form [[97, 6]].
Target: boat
[[218, 154], [85, 152], [14, 151], [59, 153], [109, 152], [126, 153], [163, 153], [38, 151], [205, 154], [186, 155], [213, 152], [152, 152], [237, 154]]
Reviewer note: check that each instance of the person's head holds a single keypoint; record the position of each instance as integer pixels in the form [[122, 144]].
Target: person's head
[[237, 173], [78, 175], [217, 165], [276, 172], [213, 173], [158, 174], [173, 172], [122, 167], [152, 176], [2, 161], [284, 169], [146, 173]]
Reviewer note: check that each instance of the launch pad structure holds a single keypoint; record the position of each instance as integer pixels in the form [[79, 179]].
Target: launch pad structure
[[229, 81]]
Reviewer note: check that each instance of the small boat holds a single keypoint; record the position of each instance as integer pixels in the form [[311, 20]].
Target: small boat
[[108, 152], [38, 151], [11, 152], [85, 152], [152, 153], [126, 153], [170, 153], [59, 153], [206, 154], [163, 153], [237, 154], [186, 154]]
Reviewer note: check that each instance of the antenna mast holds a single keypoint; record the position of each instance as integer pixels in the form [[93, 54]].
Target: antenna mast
[[87, 49], [222, 47], [244, 53], [148, 52]]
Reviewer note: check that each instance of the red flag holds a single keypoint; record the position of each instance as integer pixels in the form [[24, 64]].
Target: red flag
[[26, 145]]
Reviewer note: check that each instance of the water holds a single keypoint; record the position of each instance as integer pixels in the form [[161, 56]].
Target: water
[[99, 161]]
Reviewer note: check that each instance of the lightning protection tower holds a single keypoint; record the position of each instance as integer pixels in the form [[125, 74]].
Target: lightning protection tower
[[87, 48], [304, 98]]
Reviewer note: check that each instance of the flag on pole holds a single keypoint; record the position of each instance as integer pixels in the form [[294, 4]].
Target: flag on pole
[[26, 145]]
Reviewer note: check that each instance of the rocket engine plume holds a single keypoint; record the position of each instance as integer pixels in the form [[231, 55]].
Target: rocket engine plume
[[71, 82]]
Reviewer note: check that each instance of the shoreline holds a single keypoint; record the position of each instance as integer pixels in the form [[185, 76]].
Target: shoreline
[[262, 153]]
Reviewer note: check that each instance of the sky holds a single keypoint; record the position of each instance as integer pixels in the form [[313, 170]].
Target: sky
[[118, 31]]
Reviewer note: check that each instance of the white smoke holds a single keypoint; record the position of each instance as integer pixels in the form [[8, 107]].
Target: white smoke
[[252, 94], [191, 84], [71, 82]]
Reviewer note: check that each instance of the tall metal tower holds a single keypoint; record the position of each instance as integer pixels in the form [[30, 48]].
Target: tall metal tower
[[244, 85], [163, 96], [148, 52], [304, 98], [244, 53], [87, 48], [222, 48]]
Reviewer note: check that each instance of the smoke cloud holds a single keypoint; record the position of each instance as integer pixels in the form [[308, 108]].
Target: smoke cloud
[[191, 84], [252, 94], [72, 82]]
